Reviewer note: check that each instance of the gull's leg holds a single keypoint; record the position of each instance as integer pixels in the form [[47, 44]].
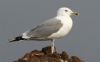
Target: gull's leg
[[52, 46]]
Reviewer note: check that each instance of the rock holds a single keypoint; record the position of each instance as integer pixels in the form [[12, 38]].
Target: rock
[[75, 59], [64, 56], [45, 55]]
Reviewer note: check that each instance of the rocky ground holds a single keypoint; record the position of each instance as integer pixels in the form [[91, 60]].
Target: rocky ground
[[45, 55]]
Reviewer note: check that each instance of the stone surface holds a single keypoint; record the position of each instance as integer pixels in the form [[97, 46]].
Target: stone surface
[[45, 55]]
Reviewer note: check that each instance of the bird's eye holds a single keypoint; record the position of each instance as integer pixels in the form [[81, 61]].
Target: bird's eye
[[66, 10]]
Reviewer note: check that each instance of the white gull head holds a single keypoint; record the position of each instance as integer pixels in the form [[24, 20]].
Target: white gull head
[[64, 11]]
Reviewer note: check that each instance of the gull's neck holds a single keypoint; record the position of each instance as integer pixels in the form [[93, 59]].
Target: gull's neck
[[63, 15], [65, 20], [66, 17]]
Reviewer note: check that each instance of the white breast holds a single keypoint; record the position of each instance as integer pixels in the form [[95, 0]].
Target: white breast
[[65, 29]]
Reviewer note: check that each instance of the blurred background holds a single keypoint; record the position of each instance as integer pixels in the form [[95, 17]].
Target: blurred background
[[17, 16]]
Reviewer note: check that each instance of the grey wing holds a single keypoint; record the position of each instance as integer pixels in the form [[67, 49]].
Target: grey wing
[[45, 29]]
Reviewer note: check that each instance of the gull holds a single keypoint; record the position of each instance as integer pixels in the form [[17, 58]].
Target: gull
[[51, 29]]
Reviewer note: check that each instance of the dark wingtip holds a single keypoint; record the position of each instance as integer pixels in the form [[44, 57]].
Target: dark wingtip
[[18, 38], [11, 40]]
